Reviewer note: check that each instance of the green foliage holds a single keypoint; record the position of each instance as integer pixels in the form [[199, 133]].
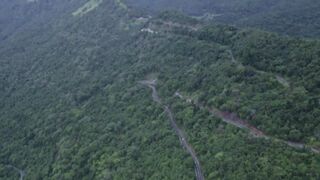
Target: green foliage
[[263, 56], [71, 107], [295, 17], [89, 6]]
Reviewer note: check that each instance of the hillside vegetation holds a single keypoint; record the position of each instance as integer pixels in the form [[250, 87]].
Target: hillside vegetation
[[294, 17], [72, 108]]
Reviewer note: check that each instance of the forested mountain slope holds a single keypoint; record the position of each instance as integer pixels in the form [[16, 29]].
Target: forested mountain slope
[[72, 108], [26, 16], [288, 17]]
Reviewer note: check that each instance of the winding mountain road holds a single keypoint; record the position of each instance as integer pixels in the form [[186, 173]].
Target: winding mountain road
[[182, 138], [279, 78], [233, 119], [228, 117], [21, 172]]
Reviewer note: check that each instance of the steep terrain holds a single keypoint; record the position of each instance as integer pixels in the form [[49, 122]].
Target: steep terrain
[[294, 17], [22, 18], [71, 106]]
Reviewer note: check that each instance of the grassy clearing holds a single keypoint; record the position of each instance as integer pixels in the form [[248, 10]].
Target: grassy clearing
[[122, 5], [89, 6]]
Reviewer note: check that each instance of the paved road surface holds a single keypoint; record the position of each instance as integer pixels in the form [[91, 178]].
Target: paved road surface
[[179, 132], [21, 172], [233, 119]]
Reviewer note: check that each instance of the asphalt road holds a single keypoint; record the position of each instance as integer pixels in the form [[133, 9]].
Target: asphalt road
[[179, 132], [233, 119], [21, 172]]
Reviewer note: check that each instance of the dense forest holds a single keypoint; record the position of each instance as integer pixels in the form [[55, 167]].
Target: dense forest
[[72, 108], [294, 17]]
